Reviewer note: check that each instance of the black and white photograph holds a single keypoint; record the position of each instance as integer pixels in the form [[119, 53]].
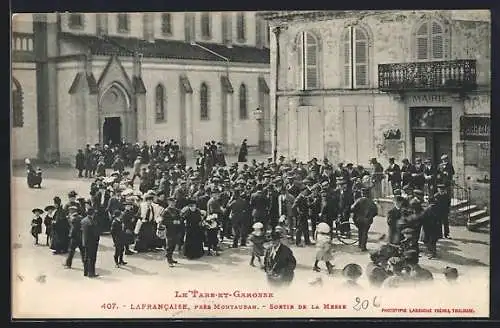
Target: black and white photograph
[[252, 164]]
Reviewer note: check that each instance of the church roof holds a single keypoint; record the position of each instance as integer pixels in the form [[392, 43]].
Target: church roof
[[124, 46]]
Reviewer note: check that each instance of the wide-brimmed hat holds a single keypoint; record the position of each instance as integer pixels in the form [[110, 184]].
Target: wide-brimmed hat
[[49, 208], [37, 211], [275, 235]]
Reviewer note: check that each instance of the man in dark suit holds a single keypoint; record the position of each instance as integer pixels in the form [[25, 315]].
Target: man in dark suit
[[417, 175], [75, 236], [301, 211], [80, 163], [406, 170], [171, 218], [90, 243], [443, 201], [430, 177], [445, 171], [239, 208], [393, 172], [346, 199], [100, 203], [259, 205], [364, 210], [393, 216], [279, 262], [118, 235]]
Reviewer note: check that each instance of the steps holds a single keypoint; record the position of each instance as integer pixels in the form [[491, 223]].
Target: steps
[[470, 215]]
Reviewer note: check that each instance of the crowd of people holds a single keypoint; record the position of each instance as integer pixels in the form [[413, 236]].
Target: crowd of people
[[194, 209]]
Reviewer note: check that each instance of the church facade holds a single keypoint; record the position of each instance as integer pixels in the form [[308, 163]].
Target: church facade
[[86, 78], [403, 84]]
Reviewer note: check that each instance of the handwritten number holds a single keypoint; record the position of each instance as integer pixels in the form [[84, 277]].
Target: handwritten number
[[365, 304]]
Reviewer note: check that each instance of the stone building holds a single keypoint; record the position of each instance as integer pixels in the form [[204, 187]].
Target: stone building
[[402, 84], [86, 78]]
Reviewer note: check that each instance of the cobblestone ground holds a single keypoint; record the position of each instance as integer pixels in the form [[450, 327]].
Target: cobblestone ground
[[43, 287]]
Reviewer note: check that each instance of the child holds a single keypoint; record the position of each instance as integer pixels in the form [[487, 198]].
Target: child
[[323, 247], [352, 272], [212, 227], [47, 221], [36, 224], [258, 239]]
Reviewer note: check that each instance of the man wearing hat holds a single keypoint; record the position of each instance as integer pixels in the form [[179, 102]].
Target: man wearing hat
[[393, 217], [90, 243], [239, 209], [171, 219], [377, 176], [443, 200], [301, 210], [346, 199], [430, 177], [118, 235], [364, 210], [259, 205], [393, 172], [352, 272], [431, 226], [418, 175], [445, 171], [72, 202], [75, 236], [279, 262], [406, 170], [243, 153]]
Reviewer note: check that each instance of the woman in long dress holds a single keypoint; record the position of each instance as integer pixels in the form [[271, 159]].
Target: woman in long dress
[[193, 246], [60, 231]]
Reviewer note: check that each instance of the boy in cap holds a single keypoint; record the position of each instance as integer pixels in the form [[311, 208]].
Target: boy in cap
[[258, 238], [75, 236], [118, 235], [36, 224], [48, 221]]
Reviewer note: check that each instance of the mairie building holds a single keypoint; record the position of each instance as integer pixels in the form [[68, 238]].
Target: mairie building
[[353, 85], [86, 78]]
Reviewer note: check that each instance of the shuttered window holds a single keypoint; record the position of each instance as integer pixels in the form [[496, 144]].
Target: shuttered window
[[307, 49], [204, 102], [123, 25], [189, 27], [356, 56], [227, 28], [430, 41], [166, 24], [241, 26]]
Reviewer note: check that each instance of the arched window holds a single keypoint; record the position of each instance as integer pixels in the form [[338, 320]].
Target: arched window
[[307, 49], [356, 71], [205, 26], [160, 103], [241, 27], [204, 101], [123, 24], [17, 104], [430, 41], [243, 103]]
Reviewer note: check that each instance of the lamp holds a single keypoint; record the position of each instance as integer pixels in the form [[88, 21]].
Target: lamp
[[258, 114]]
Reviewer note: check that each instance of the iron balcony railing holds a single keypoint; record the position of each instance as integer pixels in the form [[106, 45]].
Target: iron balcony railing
[[435, 75]]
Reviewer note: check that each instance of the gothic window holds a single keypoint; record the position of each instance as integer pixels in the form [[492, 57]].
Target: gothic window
[[123, 24], [76, 21], [243, 103], [17, 104], [356, 71], [206, 32], [166, 24], [307, 49], [241, 27], [430, 41], [160, 103], [204, 102]]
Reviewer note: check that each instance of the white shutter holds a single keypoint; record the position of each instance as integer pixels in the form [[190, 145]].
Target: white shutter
[[311, 62], [422, 48], [300, 64], [347, 58]]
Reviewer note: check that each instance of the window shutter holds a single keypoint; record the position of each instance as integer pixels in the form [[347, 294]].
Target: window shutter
[[422, 48], [347, 58], [311, 64], [165, 24], [205, 25], [361, 61], [437, 47], [300, 75]]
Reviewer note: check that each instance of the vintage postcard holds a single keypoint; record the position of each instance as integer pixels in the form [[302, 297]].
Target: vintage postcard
[[286, 164]]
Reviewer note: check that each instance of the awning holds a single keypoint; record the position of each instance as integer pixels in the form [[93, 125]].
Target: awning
[[226, 84], [263, 85], [186, 86]]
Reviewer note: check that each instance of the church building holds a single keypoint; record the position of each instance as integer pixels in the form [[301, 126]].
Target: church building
[[87, 78]]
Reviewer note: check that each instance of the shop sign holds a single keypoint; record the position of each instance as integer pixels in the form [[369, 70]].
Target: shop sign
[[475, 128]]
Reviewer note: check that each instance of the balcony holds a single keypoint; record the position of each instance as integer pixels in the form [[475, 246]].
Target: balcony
[[452, 75]]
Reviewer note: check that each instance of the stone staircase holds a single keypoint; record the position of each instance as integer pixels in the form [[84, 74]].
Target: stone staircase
[[462, 213]]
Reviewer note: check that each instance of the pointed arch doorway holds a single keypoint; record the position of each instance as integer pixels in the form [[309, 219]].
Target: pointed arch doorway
[[116, 117]]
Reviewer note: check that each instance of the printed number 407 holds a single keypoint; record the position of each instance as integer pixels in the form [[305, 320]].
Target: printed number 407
[[108, 306], [365, 304]]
